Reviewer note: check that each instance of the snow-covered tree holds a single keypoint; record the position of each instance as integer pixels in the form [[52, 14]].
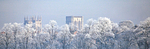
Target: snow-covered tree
[[115, 28], [86, 29], [101, 31], [51, 28], [64, 37], [103, 27], [89, 25], [43, 41], [29, 31], [142, 33], [6, 36], [126, 25], [72, 28], [16, 28], [145, 23]]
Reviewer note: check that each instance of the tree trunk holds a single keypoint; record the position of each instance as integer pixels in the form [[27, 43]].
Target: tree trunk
[[7, 38], [15, 39]]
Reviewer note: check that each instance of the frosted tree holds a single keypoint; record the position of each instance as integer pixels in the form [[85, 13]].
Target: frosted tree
[[86, 39], [64, 37], [103, 27], [16, 28], [126, 25], [134, 37], [51, 28], [72, 28], [78, 41], [53, 24], [143, 34], [86, 29], [102, 32], [6, 36], [115, 28], [18, 33], [90, 24], [124, 33], [28, 35], [127, 40], [145, 23], [89, 42], [41, 41], [83, 41]]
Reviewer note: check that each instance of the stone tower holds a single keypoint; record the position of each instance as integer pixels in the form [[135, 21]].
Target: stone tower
[[36, 21], [76, 20]]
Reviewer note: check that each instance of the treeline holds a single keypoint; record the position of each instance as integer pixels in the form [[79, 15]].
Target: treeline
[[96, 34]]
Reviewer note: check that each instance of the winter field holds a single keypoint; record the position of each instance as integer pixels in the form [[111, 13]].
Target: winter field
[[96, 34]]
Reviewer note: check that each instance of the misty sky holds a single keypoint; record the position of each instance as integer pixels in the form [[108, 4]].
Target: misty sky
[[117, 10]]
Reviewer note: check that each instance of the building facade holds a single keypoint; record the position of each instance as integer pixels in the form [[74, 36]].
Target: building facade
[[76, 20], [36, 21]]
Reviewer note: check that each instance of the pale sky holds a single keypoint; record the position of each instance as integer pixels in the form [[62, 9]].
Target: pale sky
[[117, 10]]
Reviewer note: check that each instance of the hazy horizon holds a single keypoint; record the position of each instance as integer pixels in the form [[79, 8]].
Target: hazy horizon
[[117, 10]]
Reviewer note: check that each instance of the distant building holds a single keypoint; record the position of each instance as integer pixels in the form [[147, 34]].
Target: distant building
[[76, 20], [33, 20]]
